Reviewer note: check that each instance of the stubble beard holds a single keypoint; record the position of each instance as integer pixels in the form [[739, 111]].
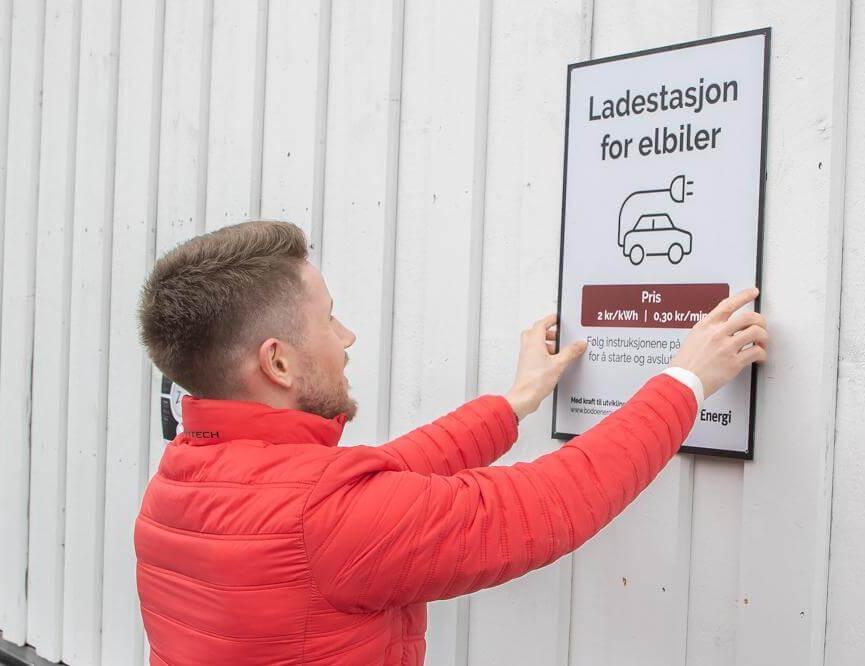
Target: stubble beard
[[320, 394]]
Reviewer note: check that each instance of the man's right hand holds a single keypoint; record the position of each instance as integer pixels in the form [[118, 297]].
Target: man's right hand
[[724, 343], [539, 367]]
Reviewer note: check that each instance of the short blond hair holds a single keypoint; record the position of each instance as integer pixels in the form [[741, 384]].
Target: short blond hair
[[216, 297]]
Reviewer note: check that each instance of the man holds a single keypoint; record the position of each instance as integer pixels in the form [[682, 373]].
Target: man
[[260, 541]]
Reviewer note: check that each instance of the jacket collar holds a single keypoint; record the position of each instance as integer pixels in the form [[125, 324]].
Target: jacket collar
[[213, 421]]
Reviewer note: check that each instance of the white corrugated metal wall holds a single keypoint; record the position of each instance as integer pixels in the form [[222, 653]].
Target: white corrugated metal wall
[[420, 144]]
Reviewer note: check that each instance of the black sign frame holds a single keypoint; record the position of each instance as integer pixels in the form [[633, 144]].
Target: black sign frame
[[748, 454]]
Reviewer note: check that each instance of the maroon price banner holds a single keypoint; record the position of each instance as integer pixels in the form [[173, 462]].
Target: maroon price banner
[[650, 305]]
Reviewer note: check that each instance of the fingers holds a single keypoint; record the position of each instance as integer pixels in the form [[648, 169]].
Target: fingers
[[753, 334], [541, 325], [751, 355], [725, 309], [571, 352], [742, 321], [546, 328], [539, 330]]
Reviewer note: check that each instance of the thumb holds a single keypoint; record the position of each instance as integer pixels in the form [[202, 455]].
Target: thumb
[[573, 351]]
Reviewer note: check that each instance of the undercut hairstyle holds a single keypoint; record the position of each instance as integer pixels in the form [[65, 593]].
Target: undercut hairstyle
[[212, 300]]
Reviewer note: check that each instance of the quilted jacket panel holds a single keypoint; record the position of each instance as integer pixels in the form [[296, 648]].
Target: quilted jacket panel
[[260, 541]]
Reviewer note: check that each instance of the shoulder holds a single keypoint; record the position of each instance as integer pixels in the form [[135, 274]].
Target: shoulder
[[249, 462]]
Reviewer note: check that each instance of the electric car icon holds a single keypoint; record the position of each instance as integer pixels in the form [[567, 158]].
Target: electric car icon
[[655, 235], [646, 228]]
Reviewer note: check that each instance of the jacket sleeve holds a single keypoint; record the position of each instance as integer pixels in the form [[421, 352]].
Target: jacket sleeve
[[474, 435], [377, 536]]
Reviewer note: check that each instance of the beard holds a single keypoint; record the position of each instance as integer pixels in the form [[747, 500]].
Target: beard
[[323, 395]]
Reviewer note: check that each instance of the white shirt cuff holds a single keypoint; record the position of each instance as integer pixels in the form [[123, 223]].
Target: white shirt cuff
[[690, 380]]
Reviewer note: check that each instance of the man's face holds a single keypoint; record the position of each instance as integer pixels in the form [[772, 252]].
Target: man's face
[[322, 387]]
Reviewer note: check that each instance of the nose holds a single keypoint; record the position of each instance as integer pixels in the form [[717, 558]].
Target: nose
[[345, 334], [351, 337]]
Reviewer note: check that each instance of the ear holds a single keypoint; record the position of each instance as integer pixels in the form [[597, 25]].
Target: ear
[[277, 361]]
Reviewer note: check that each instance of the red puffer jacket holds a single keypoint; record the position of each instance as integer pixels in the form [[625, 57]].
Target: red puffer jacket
[[261, 542]]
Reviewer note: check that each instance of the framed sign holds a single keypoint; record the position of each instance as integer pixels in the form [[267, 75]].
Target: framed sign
[[662, 217]]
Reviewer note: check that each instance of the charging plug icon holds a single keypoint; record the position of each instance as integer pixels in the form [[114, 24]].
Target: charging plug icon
[[646, 227]]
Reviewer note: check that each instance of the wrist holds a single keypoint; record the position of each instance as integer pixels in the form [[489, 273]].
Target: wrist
[[519, 404], [689, 379]]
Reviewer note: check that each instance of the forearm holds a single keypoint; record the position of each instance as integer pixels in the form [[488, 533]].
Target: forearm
[[474, 435], [413, 537], [542, 510]]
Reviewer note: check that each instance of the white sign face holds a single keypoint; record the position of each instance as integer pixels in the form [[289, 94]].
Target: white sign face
[[661, 220]]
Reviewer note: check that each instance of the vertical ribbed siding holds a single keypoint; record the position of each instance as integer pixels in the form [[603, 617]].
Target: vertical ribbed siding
[[51, 328], [20, 206], [90, 312], [129, 373]]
